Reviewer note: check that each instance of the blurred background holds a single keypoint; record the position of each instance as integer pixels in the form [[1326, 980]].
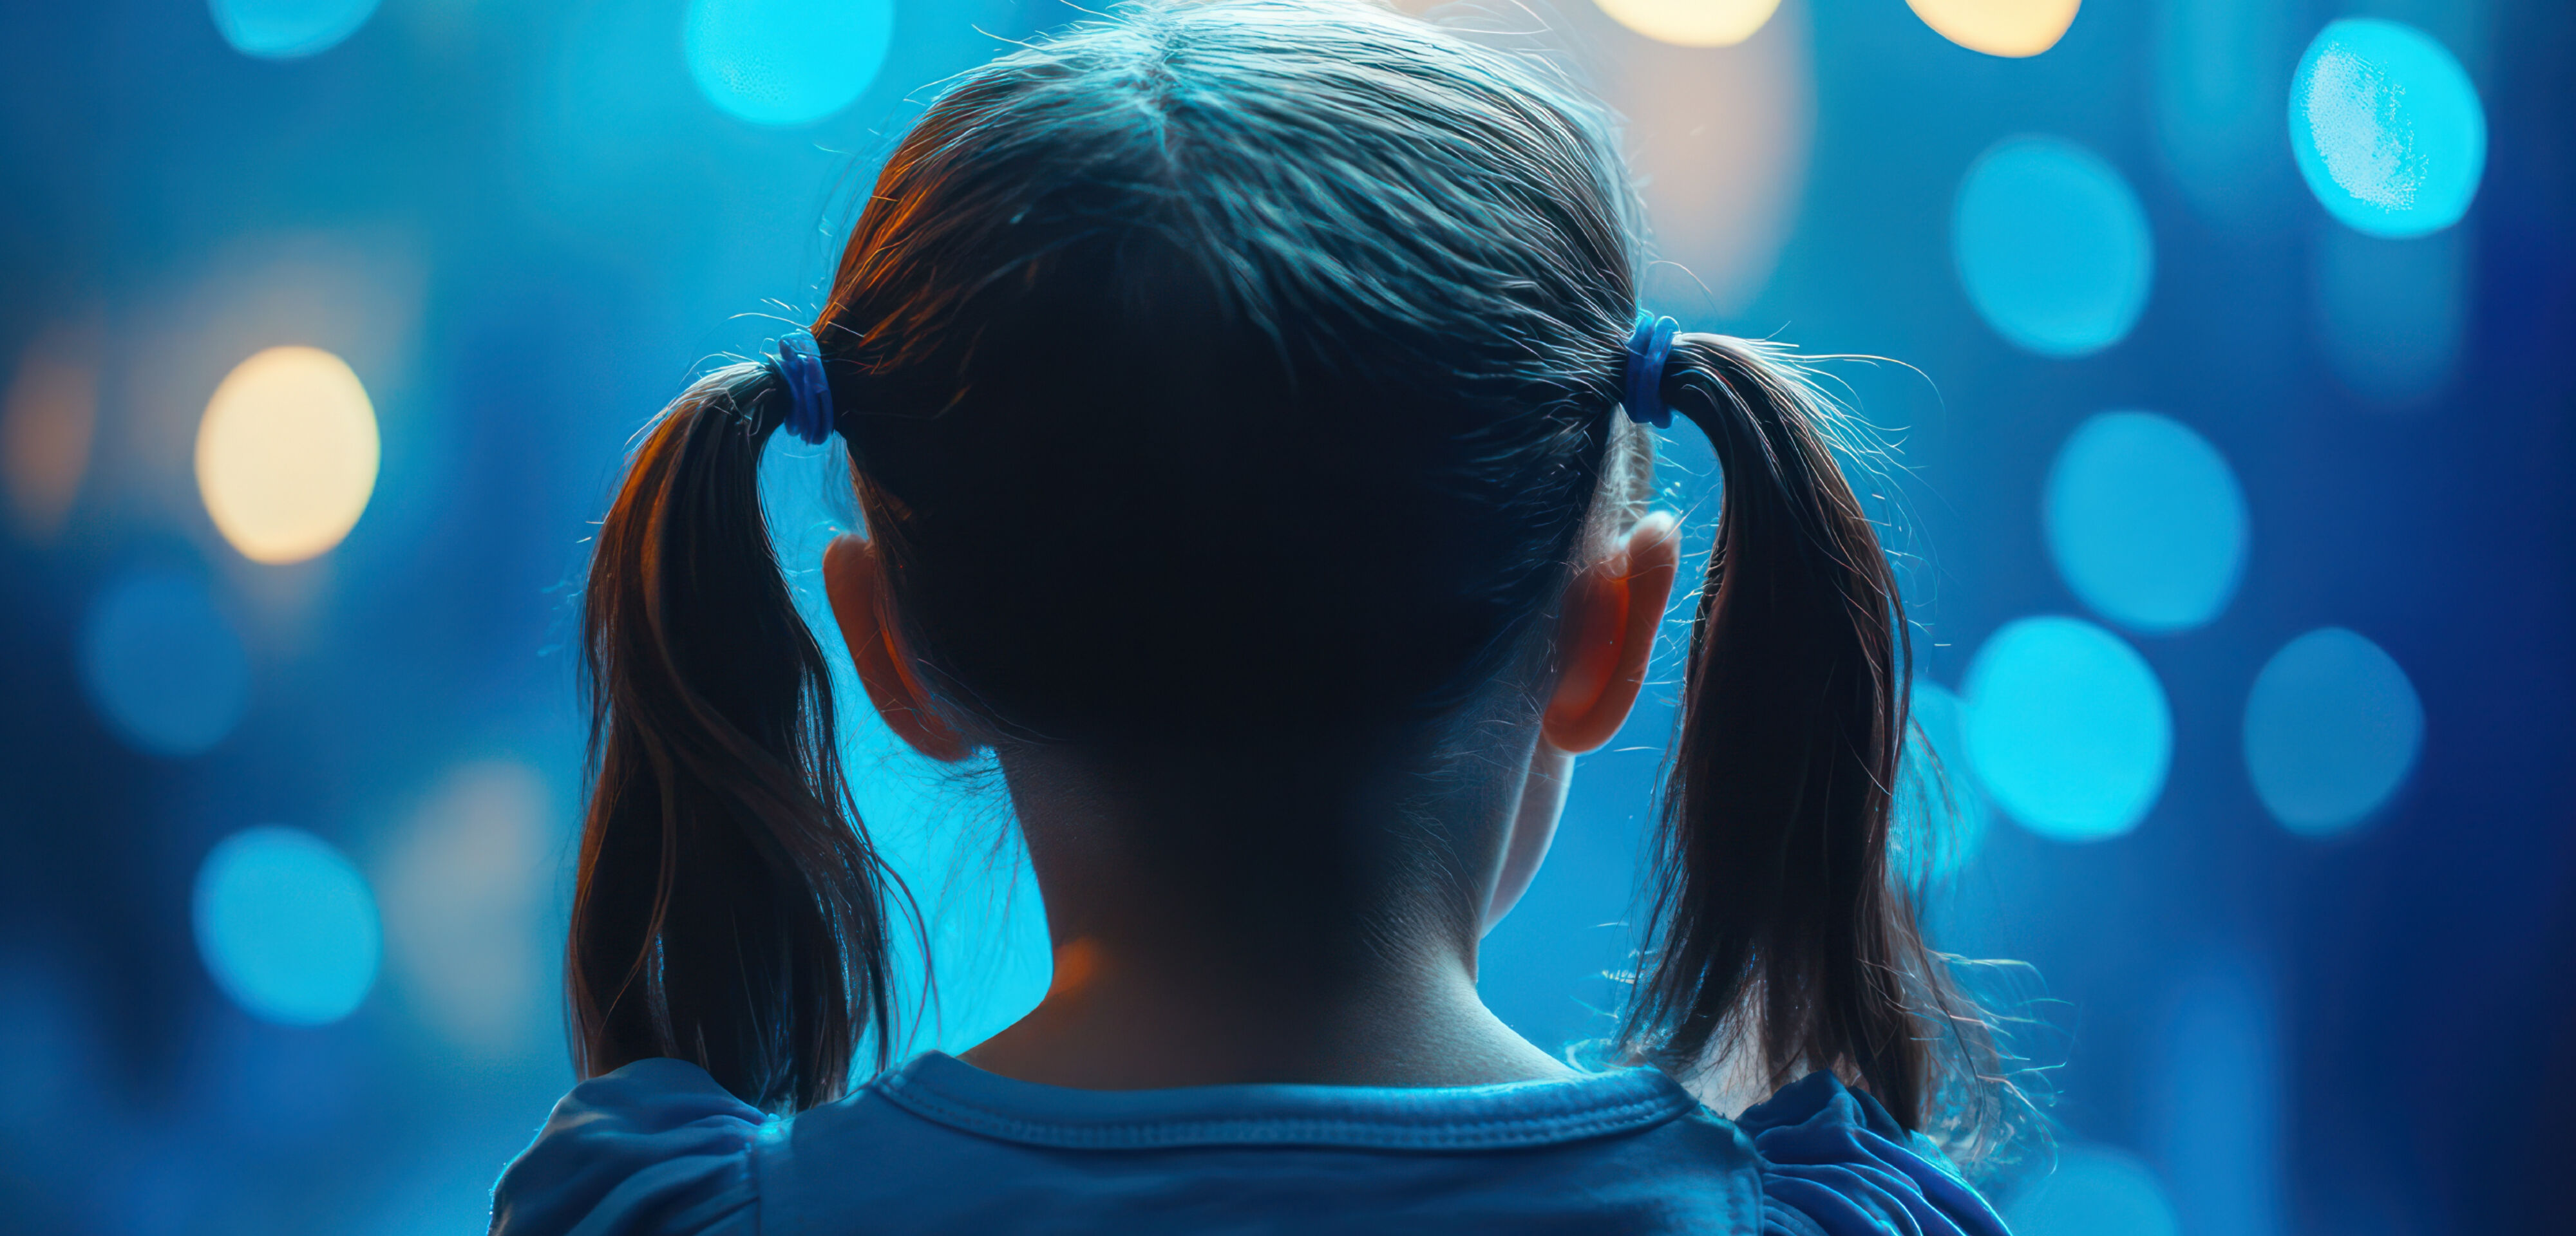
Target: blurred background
[[2232, 355]]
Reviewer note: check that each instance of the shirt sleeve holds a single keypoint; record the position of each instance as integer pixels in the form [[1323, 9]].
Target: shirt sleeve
[[1834, 1163], [654, 1149]]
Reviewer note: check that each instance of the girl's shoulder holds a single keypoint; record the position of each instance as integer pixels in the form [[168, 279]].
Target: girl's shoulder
[[656, 1148], [1834, 1163]]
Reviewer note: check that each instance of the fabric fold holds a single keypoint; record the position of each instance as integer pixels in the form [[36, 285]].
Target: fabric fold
[[656, 1148], [1834, 1163]]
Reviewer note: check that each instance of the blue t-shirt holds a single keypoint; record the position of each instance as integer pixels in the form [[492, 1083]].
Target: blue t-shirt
[[659, 1149]]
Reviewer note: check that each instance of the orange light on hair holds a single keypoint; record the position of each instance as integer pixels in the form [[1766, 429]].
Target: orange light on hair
[[287, 454]]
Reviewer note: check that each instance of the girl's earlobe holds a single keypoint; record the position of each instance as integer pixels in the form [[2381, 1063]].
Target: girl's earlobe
[[852, 580]]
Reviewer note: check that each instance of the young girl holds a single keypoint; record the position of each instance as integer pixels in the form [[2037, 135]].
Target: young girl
[[1249, 409]]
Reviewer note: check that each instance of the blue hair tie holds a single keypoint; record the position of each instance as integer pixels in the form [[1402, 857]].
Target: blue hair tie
[[809, 392], [1648, 347]]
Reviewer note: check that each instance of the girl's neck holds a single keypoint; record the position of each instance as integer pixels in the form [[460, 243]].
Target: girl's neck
[[1284, 935]]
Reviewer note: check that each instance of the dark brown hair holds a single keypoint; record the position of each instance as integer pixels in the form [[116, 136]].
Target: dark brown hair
[[1778, 926], [729, 911], [1146, 337]]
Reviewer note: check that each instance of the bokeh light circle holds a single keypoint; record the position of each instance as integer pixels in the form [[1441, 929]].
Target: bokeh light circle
[[2387, 128], [2096, 1191], [287, 926], [1941, 811], [1692, 23], [1999, 27], [464, 905], [2332, 727], [2068, 728], [287, 454], [2145, 521], [162, 665], [47, 421], [782, 62], [286, 29], [2052, 246]]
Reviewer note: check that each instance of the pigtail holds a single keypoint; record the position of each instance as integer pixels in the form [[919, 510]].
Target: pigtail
[[730, 910], [1778, 940]]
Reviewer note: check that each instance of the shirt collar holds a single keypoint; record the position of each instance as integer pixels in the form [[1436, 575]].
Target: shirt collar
[[942, 1088]]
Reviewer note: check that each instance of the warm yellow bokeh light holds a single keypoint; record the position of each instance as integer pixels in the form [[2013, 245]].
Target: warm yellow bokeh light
[[45, 428], [1999, 27], [1692, 23], [286, 456]]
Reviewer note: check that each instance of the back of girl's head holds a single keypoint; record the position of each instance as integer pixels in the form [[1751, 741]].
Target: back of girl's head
[[1230, 366], [1213, 375]]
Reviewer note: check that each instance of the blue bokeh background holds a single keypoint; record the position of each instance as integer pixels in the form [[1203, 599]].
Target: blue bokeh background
[[525, 224]]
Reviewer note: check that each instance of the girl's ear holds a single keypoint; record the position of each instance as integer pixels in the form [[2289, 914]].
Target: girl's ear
[[1606, 635], [852, 580]]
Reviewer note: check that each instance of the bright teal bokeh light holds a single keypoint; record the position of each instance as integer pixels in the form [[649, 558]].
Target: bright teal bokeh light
[[2052, 246], [162, 664], [1941, 812], [287, 926], [2095, 1191], [787, 61], [2387, 128], [2068, 728], [286, 29], [2145, 521], [2332, 727]]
